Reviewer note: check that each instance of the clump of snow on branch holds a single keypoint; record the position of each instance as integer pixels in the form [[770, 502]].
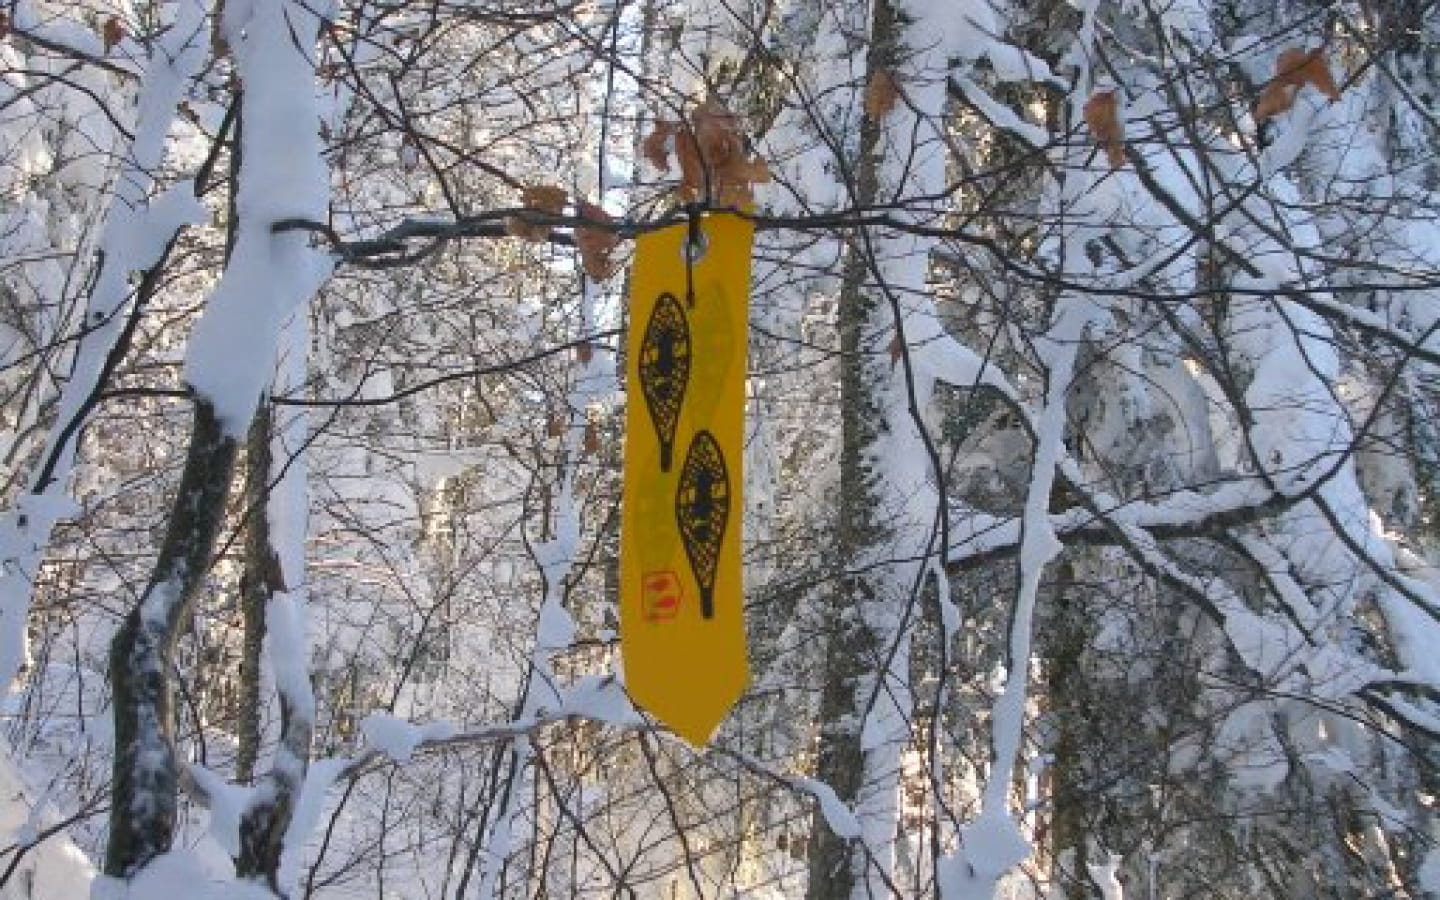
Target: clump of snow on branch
[[272, 272]]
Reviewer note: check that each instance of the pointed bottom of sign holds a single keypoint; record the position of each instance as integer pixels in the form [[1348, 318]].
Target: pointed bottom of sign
[[692, 710]]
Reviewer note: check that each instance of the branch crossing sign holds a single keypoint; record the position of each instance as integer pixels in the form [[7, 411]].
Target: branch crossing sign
[[682, 629]]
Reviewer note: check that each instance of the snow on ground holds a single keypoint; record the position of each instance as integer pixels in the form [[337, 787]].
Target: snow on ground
[[51, 867]]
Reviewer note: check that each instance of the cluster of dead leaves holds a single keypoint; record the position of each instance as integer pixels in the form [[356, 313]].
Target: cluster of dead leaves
[[1294, 69], [594, 244], [710, 150], [555, 427], [1102, 116]]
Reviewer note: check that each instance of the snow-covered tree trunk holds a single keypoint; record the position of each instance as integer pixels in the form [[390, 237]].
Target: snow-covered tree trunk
[[260, 579], [836, 865], [271, 272], [145, 790], [888, 540], [276, 549]]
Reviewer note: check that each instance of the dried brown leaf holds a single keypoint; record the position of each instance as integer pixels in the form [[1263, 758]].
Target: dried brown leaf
[[656, 146], [1294, 68], [881, 93], [717, 132], [1274, 99], [545, 198], [737, 196], [710, 150], [113, 32], [541, 198], [1102, 115], [595, 244], [592, 439], [1299, 67], [732, 172], [692, 169]]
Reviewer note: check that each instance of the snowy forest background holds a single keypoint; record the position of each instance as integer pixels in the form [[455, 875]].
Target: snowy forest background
[[1092, 476]]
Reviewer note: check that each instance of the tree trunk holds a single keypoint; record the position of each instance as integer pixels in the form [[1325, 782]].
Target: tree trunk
[[263, 825], [146, 771], [259, 579], [850, 659], [275, 566]]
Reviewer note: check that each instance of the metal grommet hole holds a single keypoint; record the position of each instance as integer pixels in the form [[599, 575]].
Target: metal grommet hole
[[695, 246]]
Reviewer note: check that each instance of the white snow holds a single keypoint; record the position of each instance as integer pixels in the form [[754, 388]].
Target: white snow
[[55, 868], [131, 235], [601, 699], [289, 651], [270, 275], [179, 873], [226, 803], [1250, 750], [989, 847], [1107, 876], [156, 223], [309, 807], [27, 19], [1002, 115], [1430, 872], [556, 629], [397, 738], [837, 815]]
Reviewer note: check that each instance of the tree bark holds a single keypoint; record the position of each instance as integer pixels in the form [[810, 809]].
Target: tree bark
[[259, 579], [146, 771], [834, 869], [275, 552]]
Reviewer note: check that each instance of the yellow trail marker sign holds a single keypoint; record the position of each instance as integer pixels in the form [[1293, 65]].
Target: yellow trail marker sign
[[682, 630]]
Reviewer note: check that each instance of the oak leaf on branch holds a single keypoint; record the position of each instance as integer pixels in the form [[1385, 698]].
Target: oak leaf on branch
[[712, 146], [541, 198], [656, 146], [881, 93], [1299, 67], [113, 32], [595, 244], [1102, 115], [711, 152], [1274, 99], [1294, 69]]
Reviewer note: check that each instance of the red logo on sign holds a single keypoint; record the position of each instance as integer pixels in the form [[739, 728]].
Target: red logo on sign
[[661, 595]]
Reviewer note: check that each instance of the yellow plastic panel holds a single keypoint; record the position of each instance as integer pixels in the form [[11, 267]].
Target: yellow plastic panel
[[682, 631]]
